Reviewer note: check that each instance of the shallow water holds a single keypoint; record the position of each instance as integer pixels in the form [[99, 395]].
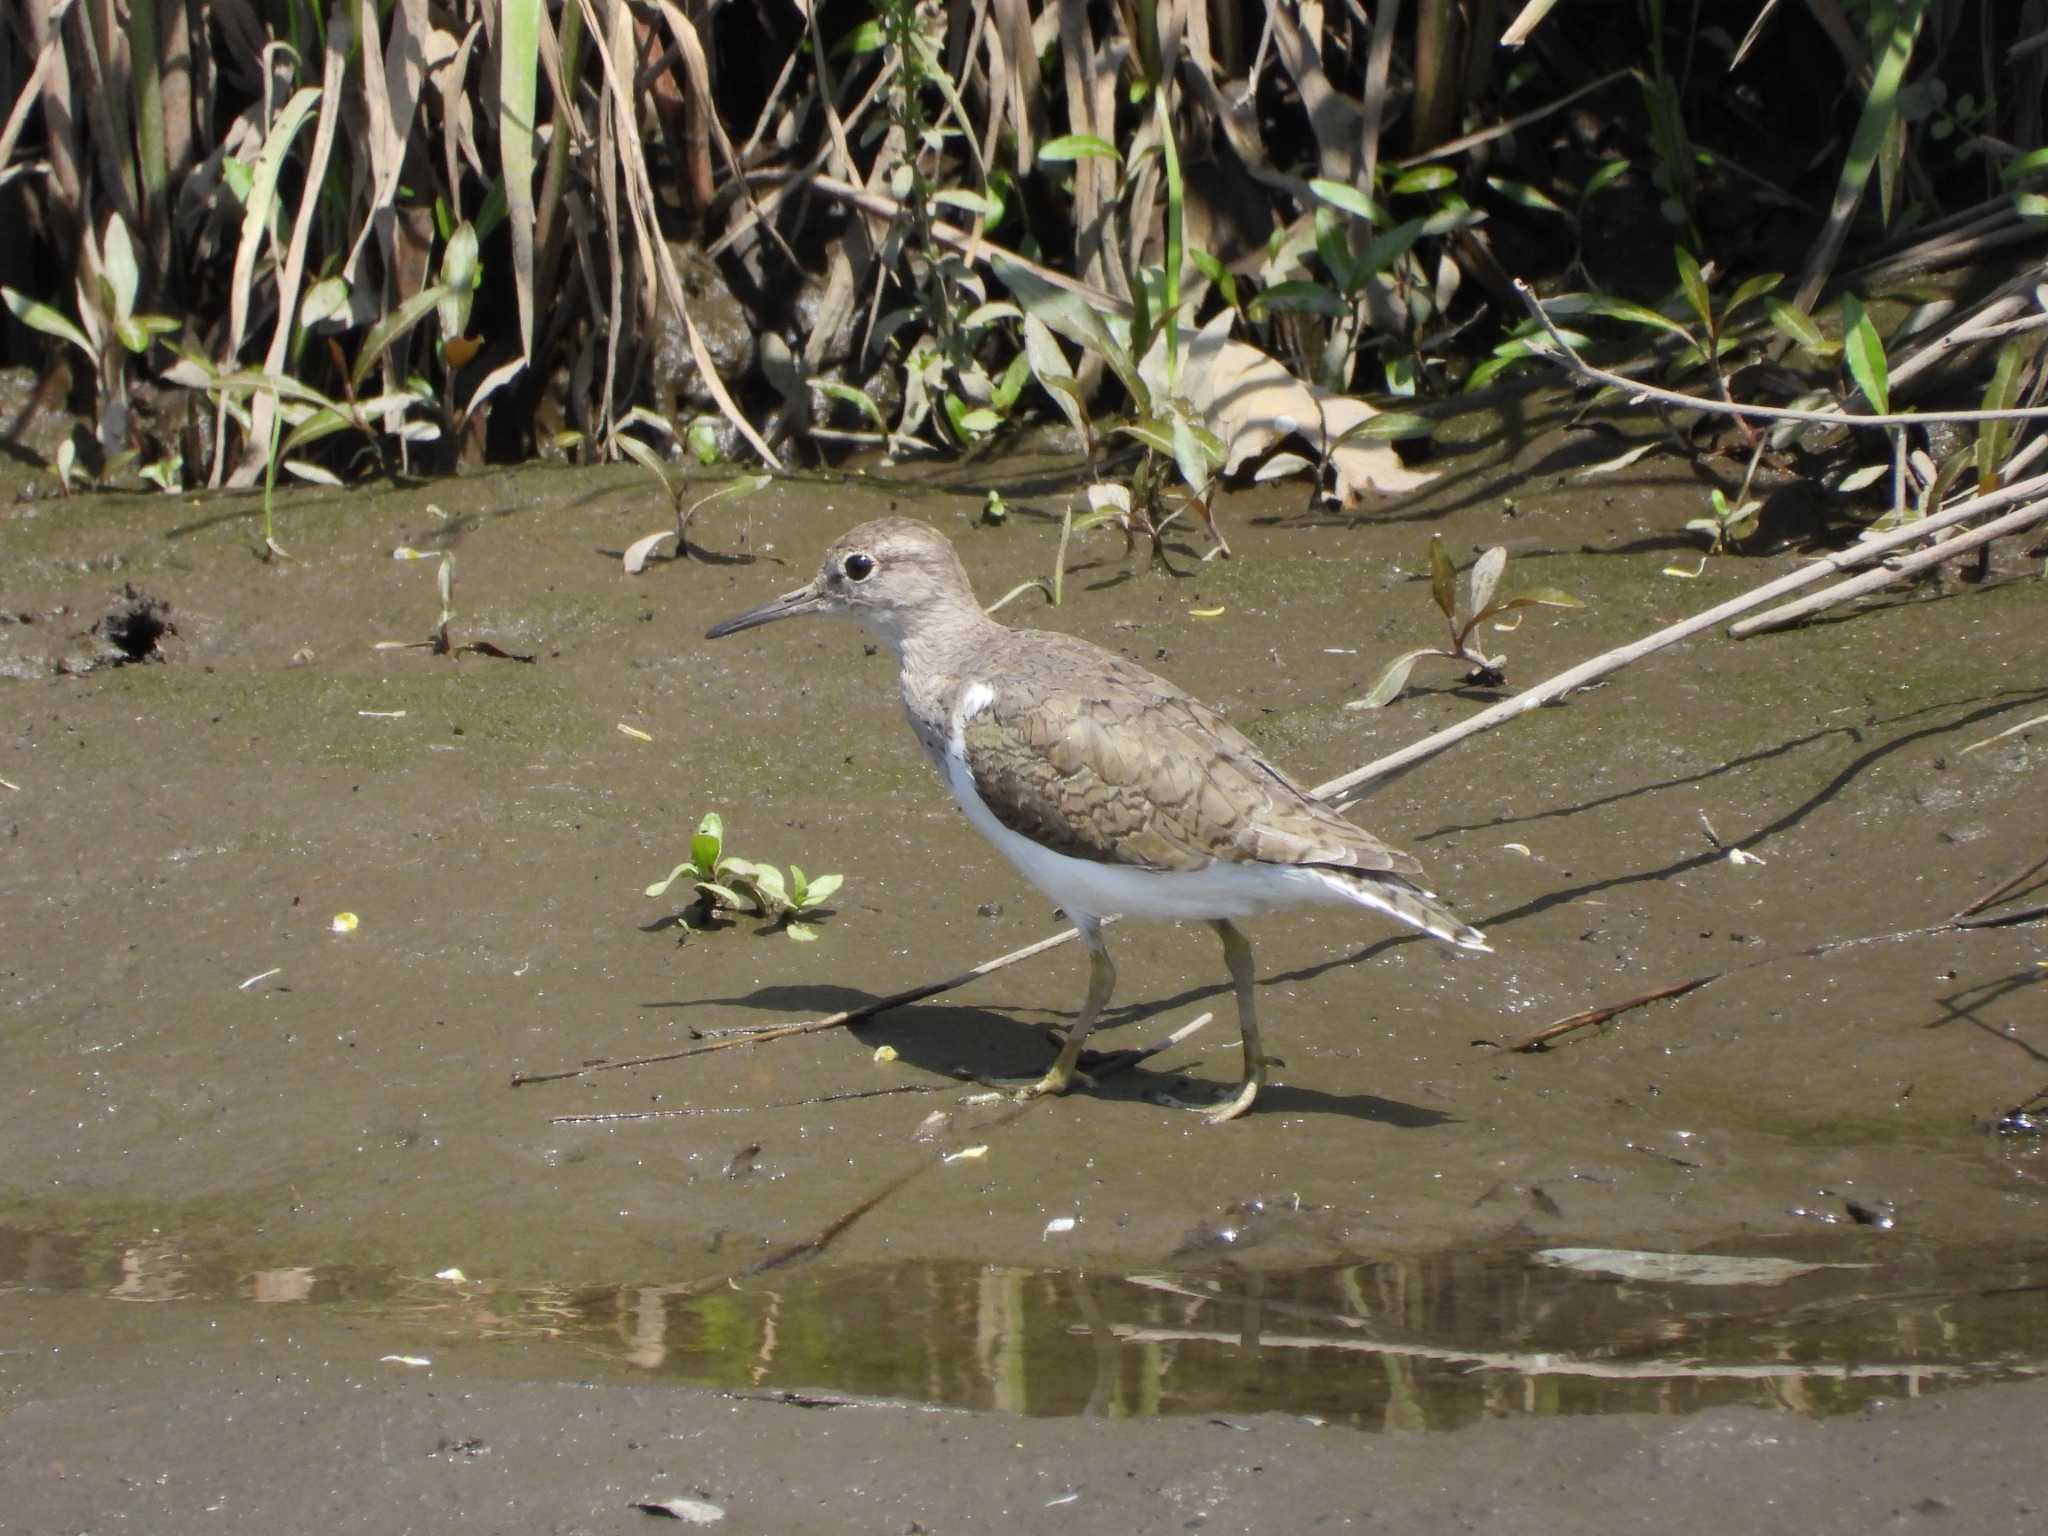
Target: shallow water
[[1430, 1342], [213, 1097]]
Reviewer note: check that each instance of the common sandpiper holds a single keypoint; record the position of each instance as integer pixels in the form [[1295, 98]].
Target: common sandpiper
[[1111, 790]]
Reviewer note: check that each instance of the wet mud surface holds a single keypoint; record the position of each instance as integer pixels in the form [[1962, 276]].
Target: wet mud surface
[[224, 1119]]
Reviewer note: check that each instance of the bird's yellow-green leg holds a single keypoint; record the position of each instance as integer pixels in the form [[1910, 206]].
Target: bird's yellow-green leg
[[1237, 954], [1065, 1070]]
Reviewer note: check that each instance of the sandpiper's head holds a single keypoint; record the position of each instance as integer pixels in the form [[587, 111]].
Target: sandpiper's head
[[883, 575]]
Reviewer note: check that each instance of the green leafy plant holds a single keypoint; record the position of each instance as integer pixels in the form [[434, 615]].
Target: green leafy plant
[[439, 641], [107, 329], [1730, 522], [727, 883], [1464, 611]]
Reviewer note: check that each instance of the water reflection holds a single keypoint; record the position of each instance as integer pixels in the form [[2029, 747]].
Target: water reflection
[[1415, 1343]]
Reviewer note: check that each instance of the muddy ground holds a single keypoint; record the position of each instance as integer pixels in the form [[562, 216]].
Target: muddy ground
[[279, 1239]]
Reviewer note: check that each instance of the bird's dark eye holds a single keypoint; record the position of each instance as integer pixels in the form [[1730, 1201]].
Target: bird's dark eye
[[859, 567]]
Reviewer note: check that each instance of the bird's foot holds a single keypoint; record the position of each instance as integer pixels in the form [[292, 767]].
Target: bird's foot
[[1022, 1090], [1226, 1107]]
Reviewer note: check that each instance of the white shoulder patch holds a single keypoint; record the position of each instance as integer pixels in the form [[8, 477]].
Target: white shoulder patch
[[974, 698]]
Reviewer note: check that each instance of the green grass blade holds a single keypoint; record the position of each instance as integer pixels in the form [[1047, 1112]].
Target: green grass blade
[[1695, 285], [1174, 246], [144, 74], [38, 316], [261, 205], [1995, 437], [518, 45], [1863, 352], [387, 332]]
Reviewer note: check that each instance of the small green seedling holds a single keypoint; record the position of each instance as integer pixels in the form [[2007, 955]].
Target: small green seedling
[[1730, 523], [439, 641], [1464, 613], [730, 884]]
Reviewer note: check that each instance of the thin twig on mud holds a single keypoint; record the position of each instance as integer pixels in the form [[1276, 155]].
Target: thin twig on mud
[[1097, 1065], [1540, 1041], [1971, 917], [2003, 889], [809, 1026]]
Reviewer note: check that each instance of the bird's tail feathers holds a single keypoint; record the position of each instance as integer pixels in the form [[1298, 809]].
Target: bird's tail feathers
[[1409, 904]]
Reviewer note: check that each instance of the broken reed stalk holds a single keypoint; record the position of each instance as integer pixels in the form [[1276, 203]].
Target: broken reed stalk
[[1542, 1038], [1586, 672], [1899, 570]]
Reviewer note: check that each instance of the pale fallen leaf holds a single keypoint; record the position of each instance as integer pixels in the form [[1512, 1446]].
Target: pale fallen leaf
[[1109, 498], [639, 550], [1282, 464], [1251, 402], [1205, 613], [635, 732], [404, 1360], [1521, 848], [259, 976], [965, 1154], [345, 922], [1058, 1225], [885, 1053], [1737, 856], [1622, 461], [1683, 574], [689, 1511], [454, 1275]]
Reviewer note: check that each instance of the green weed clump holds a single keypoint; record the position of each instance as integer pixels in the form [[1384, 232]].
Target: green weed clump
[[726, 883]]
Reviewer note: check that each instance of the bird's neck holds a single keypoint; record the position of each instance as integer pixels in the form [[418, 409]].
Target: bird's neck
[[937, 656]]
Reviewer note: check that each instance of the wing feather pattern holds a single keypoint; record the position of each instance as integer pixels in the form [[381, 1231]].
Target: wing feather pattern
[[1130, 770]]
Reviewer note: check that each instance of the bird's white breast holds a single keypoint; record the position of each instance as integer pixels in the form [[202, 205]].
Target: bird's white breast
[[1089, 888]]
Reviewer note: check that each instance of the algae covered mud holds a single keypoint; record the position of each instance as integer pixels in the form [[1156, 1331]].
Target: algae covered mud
[[219, 1099]]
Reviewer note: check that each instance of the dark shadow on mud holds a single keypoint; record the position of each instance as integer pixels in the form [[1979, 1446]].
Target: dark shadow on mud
[[1965, 1007], [967, 1043], [1758, 838]]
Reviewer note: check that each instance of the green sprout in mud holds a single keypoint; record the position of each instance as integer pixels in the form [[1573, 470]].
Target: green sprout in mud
[[1464, 612], [726, 883], [1730, 522]]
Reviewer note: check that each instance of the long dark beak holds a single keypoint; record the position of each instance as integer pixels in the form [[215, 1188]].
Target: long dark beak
[[788, 606]]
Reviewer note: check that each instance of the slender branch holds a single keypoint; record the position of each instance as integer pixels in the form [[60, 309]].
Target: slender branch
[[1613, 661], [809, 1026], [1452, 147], [1541, 1039], [1570, 360], [1897, 571]]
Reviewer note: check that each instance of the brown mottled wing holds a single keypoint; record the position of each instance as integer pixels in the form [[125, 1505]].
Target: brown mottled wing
[[1127, 769]]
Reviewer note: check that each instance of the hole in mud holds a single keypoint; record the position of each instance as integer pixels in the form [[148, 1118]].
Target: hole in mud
[[136, 626]]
